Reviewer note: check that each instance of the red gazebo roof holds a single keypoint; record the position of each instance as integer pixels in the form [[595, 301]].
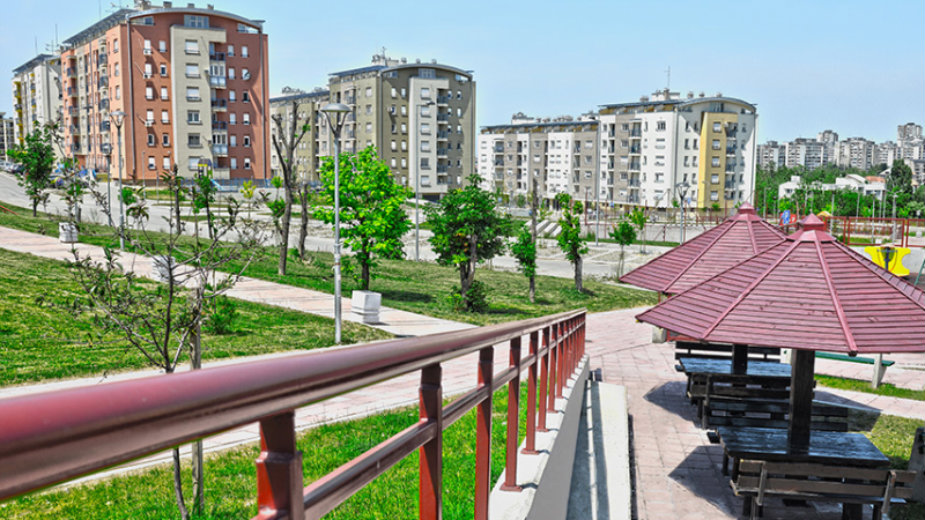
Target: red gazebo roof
[[736, 239], [808, 292]]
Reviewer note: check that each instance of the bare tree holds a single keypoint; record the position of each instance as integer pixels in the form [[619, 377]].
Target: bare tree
[[163, 321], [286, 137]]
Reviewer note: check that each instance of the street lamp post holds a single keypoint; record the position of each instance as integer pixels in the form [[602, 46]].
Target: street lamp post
[[118, 117], [417, 203], [336, 124], [682, 188]]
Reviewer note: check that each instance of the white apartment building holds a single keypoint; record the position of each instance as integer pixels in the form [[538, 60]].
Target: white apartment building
[[772, 155], [36, 94]]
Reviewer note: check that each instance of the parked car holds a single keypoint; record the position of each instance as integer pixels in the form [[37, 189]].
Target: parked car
[[17, 169]]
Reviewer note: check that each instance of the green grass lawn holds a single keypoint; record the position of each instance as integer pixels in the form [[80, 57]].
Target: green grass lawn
[[894, 437], [40, 342], [858, 385], [420, 287], [231, 487]]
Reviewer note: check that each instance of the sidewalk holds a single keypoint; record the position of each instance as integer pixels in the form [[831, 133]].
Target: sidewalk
[[394, 321]]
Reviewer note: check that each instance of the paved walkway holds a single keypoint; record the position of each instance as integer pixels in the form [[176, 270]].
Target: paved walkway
[[676, 468]]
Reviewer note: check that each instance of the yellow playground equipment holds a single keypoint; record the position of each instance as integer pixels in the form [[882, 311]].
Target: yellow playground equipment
[[895, 255]]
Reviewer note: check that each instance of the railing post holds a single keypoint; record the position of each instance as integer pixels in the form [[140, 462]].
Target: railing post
[[483, 436], [553, 369], [430, 455], [544, 383], [513, 420], [279, 469], [560, 359], [530, 446]]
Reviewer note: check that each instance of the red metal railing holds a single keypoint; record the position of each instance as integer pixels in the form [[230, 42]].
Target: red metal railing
[[57, 436]]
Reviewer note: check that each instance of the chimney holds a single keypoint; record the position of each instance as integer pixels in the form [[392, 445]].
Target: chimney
[[418, 61], [433, 62], [210, 7], [643, 99], [702, 94], [719, 94], [404, 60], [690, 94], [168, 5]]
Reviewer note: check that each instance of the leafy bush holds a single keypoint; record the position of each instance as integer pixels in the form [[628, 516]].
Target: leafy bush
[[222, 316], [476, 299]]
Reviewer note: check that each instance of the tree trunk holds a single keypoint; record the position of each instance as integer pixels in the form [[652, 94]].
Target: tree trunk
[[620, 264], [198, 483], [35, 207], [578, 274], [303, 227], [533, 208], [284, 233], [463, 278], [178, 485], [364, 275]]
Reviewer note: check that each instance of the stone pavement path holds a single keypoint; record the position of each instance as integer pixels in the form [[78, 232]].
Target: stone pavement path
[[400, 323], [676, 469]]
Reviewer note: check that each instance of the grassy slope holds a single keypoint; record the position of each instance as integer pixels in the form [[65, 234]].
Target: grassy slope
[[858, 385], [41, 342], [417, 287], [231, 476]]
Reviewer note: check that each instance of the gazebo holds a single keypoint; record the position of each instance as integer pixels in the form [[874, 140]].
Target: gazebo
[[809, 292]]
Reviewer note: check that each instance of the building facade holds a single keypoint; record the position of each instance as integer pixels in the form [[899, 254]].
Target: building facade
[[307, 154], [652, 146], [7, 135], [561, 155], [191, 83], [36, 94], [856, 152], [772, 155]]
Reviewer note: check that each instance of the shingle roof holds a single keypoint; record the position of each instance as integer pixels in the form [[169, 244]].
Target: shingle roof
[[807, 292], [739, 237]]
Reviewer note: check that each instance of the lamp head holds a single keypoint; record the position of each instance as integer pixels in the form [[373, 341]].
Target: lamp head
[[118, 116], [335, 108]]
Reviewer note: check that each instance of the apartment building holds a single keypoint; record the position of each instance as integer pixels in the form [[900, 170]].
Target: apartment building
[[36, 94], [192, 83], [7, 135], [561, 154], [772, 155], [651, 146], [307, 110], [806, 152], [856, 152]]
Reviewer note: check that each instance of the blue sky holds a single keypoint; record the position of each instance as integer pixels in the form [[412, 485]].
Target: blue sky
[[857, 67]]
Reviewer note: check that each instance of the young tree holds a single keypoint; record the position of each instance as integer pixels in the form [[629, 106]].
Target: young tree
[[624, 234], [286, 137], [524, 250], [570, 240], [163, 321], [468, 230], [37, 156], [638, 218], [370, 208]]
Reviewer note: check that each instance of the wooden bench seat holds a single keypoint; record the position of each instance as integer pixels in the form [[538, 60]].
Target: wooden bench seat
[[708, 386], [757, 480], [768, 413], [713, 351]]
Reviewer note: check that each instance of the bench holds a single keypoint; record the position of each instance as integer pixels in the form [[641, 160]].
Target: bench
[[758, 480], [880, 364], [768, 413], [713, 351], [702, 387]]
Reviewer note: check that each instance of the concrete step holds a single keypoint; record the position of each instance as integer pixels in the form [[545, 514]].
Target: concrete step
[[601, 486]]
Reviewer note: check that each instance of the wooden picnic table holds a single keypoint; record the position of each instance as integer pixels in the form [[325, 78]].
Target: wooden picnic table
[[698, 365]]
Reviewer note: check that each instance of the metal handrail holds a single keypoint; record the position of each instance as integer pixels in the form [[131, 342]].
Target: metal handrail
[[57, 436]]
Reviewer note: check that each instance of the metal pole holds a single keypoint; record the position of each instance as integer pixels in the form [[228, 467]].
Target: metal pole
[[417, 216], [682, 217], [121, 206], [337, 309], [597, 187]]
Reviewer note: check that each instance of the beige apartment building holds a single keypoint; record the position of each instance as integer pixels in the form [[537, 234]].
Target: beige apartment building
[[192, 83], [36, 94], [7, 135], [307, 155]]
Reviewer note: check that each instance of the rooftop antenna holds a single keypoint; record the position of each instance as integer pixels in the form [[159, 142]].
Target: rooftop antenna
[[668, 72], [36, 45]]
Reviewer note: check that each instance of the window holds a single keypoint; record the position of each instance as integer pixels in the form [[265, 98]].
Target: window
[[404, 93], [247, 163], [425, 128], [246, 118], [232, 97], [232, 119], [369, 109], [230, 72], [234, 163], [233, 140], [115, 70], [162, 46], [152, 141], [149, 93], [394, 93], [147, 47], [425, 93], [714, 195], [192, 117], [425, 110], [245, 74], [394, 145], [193, 163], [166, 162], [193, 141], [369, 92], [192, 47], [404, 162], [244, 52], [715, 162], [404, 128], [425, 146], [660, 125], [369, 128], [458, 112], [717, 127], [115, 45], [459, 94], [165, 139], [245, 97], [151, 163], [404, 110], [425, 163], [148, 70], [716, 144], [149, 120], [118, 92], [192, 71], [695, 144], [247, 141], [404, 146], [687, 144], [164, 93], [393, 162], [714, 178], [165, 117], [196, 21], [192, 94], [163, 70], [230, 51]]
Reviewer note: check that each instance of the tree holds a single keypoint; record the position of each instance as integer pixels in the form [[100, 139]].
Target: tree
[[286, 138], [163, 321], [570, 240], [37, 156], [467, 230], [370, 208], [624, 234], [524, 250], [638, 218], [900, 179]]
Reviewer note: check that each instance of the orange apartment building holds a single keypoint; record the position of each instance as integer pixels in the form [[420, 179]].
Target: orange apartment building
[[192, 83]]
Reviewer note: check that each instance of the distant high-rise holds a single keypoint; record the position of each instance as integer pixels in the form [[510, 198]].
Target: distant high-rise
[[7, 135], [36, 94]]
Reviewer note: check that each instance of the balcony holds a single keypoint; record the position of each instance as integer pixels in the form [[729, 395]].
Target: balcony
[[350, 100], [442, 168], [102, 59], [104, 104], [105, 126], [730, 150], [75, 148], [443, 135], [147, 51], [217, 56], [102, 83], [443, 118], [219, 125], [635, 149], [217, 81], [71, 72], [636, 132], [106, 148], [730, 185], [219, 105], [72, 111], [634, 183], [71, 92], [220, 150], [443, 100], [441, 152], [499, 162]]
